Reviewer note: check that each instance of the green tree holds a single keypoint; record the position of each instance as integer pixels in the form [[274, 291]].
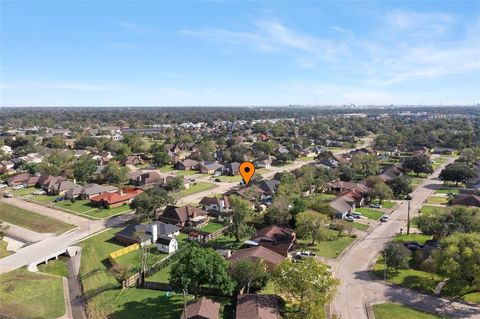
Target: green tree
[[241, 213], [400, 186], [457, 172], [84, 169], [147, 203], [459, 260], [58, 162], [418, 164], [396, 256], [378, 189], [312, 225], [114, 173], [197, 267], [175, 184], [249, 273], [160, 156], [457, 219], [365, 165], [306, 286]]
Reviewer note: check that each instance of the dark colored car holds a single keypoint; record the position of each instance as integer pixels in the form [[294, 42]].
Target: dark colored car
[[59, 199], [413, 245]]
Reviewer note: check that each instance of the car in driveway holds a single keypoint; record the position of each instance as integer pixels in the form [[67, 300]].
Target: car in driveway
[[356, 215], [375, 206], [384, 219], [39, 192], [19, 187], [349, 218], [7, 195], [59, 199]]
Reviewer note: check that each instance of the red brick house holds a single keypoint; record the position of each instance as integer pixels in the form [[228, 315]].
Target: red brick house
[[110, 200]]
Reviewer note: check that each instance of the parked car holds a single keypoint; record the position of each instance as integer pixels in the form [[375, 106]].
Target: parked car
[[39, 192], [59, 199], [357, 215], [413, 245], [3, 185], [19, 187], [218, 179], [409, 197], [375, 206], [305, 253], [7, 195], [384, 219], [349, 218]]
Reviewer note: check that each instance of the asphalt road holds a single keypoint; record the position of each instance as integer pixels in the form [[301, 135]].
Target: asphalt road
[[359, 288]]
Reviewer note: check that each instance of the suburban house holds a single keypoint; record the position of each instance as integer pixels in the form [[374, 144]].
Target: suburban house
[[265, 162], [201, 308], [342, 205], [467, 200], [89, 190], [214, 168], [166, 244], [216, 206], [149, 178], [6, 167], [114, 199], [187, 165], [132, 160], [268, 256], [391, 173], [60, 187], [80, 153], [130, 234], [232, 169], [257, 306], [252, 193], [269, 186], [443, 150], [25, 179], [31, 158], [279, 239], [184, 216]]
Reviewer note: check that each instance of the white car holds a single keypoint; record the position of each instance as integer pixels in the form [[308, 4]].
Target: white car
[[18, 187], [384, 219], [39, 192], [3, 185]]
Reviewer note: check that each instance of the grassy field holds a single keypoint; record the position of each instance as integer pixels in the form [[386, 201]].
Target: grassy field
[[396, 311], [42, 198], [212, 227], [79, 206], [27, 219], [226, 242], [55, 267], [196, 188], [359, 226], [103, 293], [443, 200], [3, 249], [432, 209], [370, 213], [412, 237], [23, 191], [328, 248], [24, 294], [108, 212], [472, 297], [134, 258], [230, 179], [444, 189], [84, 207], [162, 275]]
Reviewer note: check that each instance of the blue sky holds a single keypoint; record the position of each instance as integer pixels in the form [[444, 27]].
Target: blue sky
[[69, 53]]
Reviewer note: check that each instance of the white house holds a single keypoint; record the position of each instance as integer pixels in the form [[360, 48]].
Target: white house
[[166, 244], [7, 150]]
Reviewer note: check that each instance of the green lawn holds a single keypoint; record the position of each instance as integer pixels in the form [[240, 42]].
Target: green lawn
[[328, 248], [185, 173], [79, 206], [161, 276], [24, 191], [432, 209], [230, 179], [472, 297], [134, 258], [443, 200], [226, 242], [42, 198], [212, 227], [24, 294], [196, 188], [83, 207], [104, 296], [420, 238], [359, 226], [305, 158], [55, 267], [3, 249], [108, 212], [396, 311], [385, 203], [447, 189], [370, 213], [166, 168], [30, 220]]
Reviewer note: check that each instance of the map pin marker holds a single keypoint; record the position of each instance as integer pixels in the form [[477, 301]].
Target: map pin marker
[[247, 170]]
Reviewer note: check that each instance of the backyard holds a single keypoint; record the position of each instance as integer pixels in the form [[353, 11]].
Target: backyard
[[30, 220], [327, 248], [212, 226], [24, 294], [196, 188], [83, 207]]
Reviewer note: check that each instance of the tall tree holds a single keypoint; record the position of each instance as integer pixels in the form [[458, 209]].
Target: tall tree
[[312, 225], [146, 204], [457, 219], [419, 164], [306, 286], [84, 169], [58, 162], [396, 256], [400, 186], [114, 173], [197, 267], [457, 172], [248, 273], [241, 213]]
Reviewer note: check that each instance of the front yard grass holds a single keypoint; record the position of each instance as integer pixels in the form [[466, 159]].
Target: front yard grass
[[30, 220], [305, 158], [24, 294], [163, 275], [385, 203], [360, 226], [103, 293], [78, 206], [230, 179], [212, 227], [24, 191], [196, 188], [55, 267], [108, 212], [327, 248], [442, 200], [134, 258], [370, 213], [432, 209], [396, 311]]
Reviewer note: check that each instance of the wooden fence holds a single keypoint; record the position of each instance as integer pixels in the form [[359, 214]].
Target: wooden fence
[[122, 252]]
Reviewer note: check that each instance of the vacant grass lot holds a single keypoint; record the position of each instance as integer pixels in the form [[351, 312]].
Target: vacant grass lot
[[24, 294], [396, 311], [55, 267], [83, 207], [103, 293], [327, 248], [3, 249], [27, 219], [370, 213], [196, 188]]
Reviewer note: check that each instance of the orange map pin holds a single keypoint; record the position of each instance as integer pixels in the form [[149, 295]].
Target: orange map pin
[[247, 170]]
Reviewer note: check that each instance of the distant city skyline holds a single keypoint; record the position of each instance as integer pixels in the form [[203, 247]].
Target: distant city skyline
[[104, 53]]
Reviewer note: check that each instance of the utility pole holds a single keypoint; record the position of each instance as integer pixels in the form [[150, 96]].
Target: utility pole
[[385, 270], [408, 219]]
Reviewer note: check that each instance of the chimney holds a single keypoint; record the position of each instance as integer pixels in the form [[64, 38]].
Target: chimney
[[154, 232]]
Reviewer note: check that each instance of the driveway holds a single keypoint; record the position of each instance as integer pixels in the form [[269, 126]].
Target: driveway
[[358, 287]]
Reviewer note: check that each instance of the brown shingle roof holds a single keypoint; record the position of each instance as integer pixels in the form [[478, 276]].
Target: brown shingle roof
[[251, 306], [201, 308], [270, 257]]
